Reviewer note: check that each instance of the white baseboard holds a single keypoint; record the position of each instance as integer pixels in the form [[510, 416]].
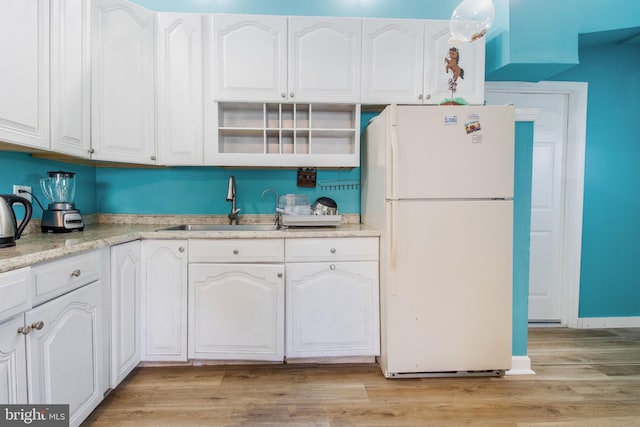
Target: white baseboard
[[520, 365], [608, 322]]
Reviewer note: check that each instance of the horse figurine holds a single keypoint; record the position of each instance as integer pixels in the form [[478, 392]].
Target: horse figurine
[[452, 64]]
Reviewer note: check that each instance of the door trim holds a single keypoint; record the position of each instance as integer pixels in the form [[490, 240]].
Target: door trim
[[571, 239]]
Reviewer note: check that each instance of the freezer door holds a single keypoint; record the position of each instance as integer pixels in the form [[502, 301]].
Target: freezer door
[[450, 152], [447, 286]]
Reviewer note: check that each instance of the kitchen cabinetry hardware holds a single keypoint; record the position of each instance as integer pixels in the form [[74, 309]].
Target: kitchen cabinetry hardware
[[24, 330], [236, 252], [332, 267], [181, 249], [37, 325], [76, 273], [332, 250]]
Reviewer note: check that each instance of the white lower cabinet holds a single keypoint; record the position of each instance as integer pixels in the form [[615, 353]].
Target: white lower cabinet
[[164, 300], [64, 352], [236, 311], [332, 297], [125, 310], [13, 369]]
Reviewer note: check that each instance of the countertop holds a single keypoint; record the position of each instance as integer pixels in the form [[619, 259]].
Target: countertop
[[37, 247]]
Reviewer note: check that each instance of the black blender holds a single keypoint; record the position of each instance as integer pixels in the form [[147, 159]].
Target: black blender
[[61, 216]]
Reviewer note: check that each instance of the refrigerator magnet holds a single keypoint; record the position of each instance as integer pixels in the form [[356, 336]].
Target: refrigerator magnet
[[476, 138], [472, 126], [451, 120]]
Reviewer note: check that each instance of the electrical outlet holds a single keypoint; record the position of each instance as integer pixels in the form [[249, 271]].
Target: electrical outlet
[[17, 188]]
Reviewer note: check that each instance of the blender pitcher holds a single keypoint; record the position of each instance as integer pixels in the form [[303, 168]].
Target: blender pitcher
[[61, 215]]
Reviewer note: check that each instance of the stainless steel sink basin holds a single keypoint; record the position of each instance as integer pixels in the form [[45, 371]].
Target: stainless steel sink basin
[[222, 227]]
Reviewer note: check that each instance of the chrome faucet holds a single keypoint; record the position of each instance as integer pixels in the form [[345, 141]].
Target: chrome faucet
[[276, 218], [231, 197]]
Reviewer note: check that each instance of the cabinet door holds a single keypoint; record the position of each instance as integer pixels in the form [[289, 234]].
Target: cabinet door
[[250, 54], [65, 357], [70, 77], [324, 59], [180, 89], [236, 311], [392, 61], [332, 309], [13, 366], [164, 300], [24, 74], [125, 310], [470, 84], [122, 97]]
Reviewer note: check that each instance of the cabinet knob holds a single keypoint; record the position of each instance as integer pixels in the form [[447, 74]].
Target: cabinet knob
[[420, 96], [428, 96], [24, 330], [38, 325], [153, 158], [91, 151], [279, 275], [283, 94], [332, 250], [181, 249], [236, 252], [332, 267], [291, 95], [76, 273]]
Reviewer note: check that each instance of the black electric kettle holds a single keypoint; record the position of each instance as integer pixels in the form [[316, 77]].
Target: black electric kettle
[[9, 229]]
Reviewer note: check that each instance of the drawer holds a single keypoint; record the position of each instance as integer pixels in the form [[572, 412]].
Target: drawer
[[15, 292], [237, 250], [58, 277], [332, 249]]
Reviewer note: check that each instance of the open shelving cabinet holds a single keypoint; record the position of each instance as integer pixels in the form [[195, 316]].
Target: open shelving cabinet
[[296, 135]]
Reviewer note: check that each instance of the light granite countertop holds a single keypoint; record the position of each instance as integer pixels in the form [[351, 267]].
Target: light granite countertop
[[36, 247]]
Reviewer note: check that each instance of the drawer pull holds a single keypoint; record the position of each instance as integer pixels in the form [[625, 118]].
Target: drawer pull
[[24, 330], [332, 250], [76, 273], [37, 325], [332, 267], [279, 275], [181, 249], [236, 252]]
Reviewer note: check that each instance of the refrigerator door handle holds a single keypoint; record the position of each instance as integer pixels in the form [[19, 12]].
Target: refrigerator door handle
[[393, 261], [393, 154]]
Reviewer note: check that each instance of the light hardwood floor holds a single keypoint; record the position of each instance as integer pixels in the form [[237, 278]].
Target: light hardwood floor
[[584, 378]]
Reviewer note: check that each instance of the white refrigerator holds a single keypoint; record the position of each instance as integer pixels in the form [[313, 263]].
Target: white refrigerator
[[437, 182]]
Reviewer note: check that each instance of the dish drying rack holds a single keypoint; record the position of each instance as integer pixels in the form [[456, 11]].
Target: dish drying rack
[[339, 184]]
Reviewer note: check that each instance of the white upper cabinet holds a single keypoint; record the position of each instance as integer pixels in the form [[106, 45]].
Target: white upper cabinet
[[392, 51], [404, 61], [24, 74], [180, 89], [470, 84], [280, 59], [123, 87], [250, 58], [70, 77], [324, 59]]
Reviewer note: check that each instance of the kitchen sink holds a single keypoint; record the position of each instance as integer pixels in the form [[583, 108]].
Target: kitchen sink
[[222, 227]]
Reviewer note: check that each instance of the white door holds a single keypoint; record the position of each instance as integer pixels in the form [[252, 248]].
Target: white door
[[324, 59], [123, 83], [332, 309], [24, 74], [13, 364], [64, 353], [392, 61], [164, 300], [547, 200], [70, 77], [250, 58], [179, 89], [125, 310], [236, 311]]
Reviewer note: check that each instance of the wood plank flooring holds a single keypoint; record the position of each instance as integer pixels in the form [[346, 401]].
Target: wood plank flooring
[[584, 378]]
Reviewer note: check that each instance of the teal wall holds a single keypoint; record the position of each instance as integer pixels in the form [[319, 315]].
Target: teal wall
[[521, 235], [610, 272], [22, 169]]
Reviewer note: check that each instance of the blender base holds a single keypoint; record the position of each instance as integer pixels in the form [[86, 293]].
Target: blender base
[[61, 221]]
